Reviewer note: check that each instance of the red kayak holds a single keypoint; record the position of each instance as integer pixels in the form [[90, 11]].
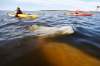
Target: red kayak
[[82, 14]]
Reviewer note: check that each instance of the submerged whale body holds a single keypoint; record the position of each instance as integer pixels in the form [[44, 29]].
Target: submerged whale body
[[51, 31]]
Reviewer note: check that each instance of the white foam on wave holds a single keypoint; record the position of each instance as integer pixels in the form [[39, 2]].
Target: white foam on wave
[[51, 31]]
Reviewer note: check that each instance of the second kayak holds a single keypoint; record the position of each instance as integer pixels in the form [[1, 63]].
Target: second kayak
[[81, 14]]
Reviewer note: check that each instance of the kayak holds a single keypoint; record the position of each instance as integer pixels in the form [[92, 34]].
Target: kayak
[[82, 14], [79, 14], [25, 16], [45, 31]]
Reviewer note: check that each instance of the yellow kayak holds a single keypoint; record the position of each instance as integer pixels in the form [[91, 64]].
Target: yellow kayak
[[27, 16]]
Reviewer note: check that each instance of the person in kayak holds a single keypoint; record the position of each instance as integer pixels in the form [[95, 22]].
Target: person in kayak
[[18, 12], [77, 12]]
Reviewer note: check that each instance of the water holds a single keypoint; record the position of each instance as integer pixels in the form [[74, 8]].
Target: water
[[12, 33]]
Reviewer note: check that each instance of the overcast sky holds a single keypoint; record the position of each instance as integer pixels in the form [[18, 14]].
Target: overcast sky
[[49, 4]]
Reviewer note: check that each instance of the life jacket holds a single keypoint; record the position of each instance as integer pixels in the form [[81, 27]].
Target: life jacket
[[18, 12]]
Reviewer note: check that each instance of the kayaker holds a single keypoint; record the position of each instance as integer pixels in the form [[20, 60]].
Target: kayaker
[[77, 12], [18, 11]]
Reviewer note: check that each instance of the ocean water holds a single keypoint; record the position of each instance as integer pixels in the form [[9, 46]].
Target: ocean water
[[13, 36]]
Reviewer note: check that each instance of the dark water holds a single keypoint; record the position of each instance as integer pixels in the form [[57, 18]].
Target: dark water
[[14, 38]]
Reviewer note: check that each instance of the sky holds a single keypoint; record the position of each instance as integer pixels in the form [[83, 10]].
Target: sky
[[49, 4]]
